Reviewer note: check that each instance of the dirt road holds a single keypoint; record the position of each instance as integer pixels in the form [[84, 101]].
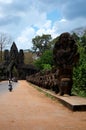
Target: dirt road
[[28, 109]]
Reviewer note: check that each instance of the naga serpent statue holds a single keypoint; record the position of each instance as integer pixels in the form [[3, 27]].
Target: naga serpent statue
[[65, 56]]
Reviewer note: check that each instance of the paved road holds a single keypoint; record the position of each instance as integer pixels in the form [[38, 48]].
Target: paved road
[[26, 108], [4, 86]]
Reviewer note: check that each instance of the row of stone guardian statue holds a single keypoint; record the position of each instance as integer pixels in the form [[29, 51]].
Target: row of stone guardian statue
[[65, 57]]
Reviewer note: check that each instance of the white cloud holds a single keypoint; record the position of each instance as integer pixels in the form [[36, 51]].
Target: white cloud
[[65, 25], [6, 1], [47, 28], [60, 26], [26, 19], [25, 38], [63, 20]]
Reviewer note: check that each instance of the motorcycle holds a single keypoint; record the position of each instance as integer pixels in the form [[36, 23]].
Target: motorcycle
[[10, 86]]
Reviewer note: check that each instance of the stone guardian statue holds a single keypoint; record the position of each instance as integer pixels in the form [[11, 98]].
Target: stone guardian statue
[[65, 56]]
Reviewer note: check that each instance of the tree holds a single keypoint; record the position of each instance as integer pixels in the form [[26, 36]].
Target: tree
[[79, 74], [83, 40], [5, 40], [41, 43], [75, 36], [45, 61]]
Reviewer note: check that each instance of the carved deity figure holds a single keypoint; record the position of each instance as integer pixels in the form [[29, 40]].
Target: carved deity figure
[[65, 57]]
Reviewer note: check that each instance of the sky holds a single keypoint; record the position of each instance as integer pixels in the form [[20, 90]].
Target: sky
[[25, 19]]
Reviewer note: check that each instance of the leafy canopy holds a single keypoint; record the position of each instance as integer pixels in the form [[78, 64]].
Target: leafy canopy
[[41, 43]]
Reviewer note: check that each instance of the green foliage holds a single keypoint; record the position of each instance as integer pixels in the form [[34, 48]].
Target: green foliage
[[45, 61], [46, 67], [38, 64], [79, 74], [41, 43], [83, 40], [75, 36]]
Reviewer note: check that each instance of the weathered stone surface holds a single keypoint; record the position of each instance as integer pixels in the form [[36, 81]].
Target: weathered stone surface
[[14, 61], [65, 57]]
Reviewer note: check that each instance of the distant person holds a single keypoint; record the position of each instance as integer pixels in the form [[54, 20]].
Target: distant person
[[10, 85]]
